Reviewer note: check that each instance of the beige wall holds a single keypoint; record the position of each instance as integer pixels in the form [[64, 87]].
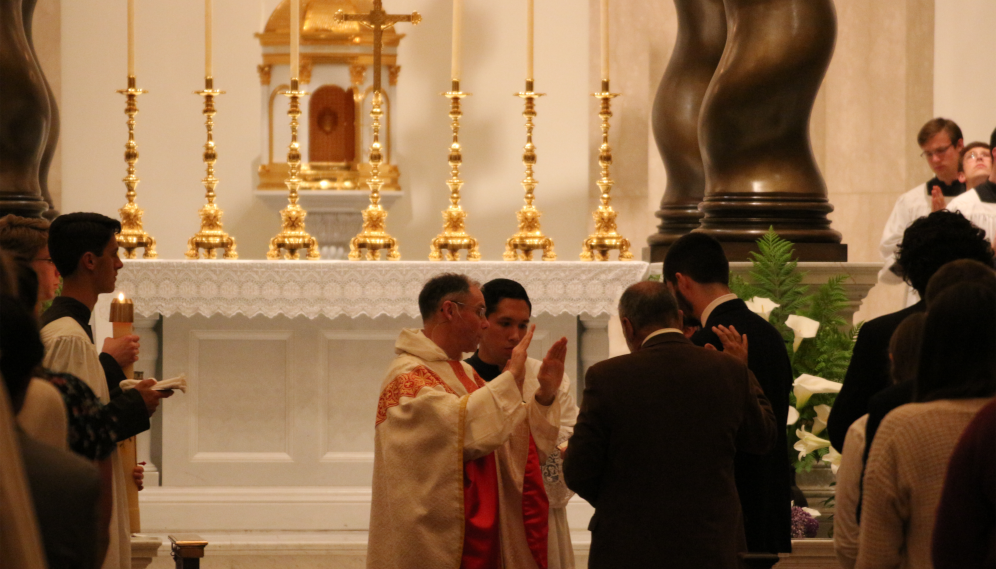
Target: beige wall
[[965, 66], [876, 95]]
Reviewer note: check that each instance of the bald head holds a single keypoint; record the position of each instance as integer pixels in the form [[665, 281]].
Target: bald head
[[649, 306]]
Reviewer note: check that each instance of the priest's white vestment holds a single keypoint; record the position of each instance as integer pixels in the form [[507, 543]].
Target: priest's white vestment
[[435, 417], [68, 349]]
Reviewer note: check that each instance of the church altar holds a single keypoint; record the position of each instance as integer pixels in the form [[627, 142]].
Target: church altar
[[284, 361]]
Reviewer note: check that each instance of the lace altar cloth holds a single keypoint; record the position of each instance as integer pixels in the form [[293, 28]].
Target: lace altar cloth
[[337, 288]]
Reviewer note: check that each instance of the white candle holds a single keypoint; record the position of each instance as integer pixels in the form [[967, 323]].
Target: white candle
[[295, 37], [605, 40], [208, 23], [529, 40], [457, 37], [131, 38]]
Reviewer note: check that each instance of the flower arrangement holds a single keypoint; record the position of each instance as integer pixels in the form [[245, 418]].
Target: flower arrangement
[[818, 340], [804, 522]]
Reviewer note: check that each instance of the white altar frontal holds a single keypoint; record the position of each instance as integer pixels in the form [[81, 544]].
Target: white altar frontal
[[284, 362]]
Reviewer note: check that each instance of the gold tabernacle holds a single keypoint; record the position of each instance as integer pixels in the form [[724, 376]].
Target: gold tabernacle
[[212, 236], [454, 236], [605, 238], [132, 236], [293, 235], [529, 237], [374, 236]]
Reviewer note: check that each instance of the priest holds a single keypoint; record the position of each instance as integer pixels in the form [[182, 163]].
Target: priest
[[456, 478]]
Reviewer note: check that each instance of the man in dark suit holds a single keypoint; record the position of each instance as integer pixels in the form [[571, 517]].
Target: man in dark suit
[[928, 244], [697, 271], [654, 445]]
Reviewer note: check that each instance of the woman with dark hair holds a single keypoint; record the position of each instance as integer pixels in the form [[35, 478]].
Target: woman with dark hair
[[905, 473]]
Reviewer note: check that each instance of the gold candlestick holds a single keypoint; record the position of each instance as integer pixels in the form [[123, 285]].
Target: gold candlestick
[[529, 237], [374, 236], [293, 235], [605, 238], [211, 236], [454, 236], [132, 236]]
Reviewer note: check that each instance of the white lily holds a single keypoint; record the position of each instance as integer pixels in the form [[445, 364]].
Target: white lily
[[793, 417], [808, 442], [806, 386], [812, 512], [803, 328], [833, 459], [822, 415], [761, 306]]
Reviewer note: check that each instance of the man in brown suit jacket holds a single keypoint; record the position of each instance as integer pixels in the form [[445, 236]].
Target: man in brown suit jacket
[[654, 444]]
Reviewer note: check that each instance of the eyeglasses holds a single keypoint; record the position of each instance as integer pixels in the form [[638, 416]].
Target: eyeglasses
[[480, 311], [977, 155], [928, 154], [45, 260]]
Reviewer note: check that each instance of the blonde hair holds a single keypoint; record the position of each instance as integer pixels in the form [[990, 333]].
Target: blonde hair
[[23, 237]]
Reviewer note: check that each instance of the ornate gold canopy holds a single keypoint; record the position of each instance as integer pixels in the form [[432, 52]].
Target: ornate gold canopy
[[318, 25]]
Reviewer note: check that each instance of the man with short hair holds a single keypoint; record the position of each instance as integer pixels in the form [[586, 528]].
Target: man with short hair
[[979, 203], [508, 311], [697, 271], [456, 480], [974, 166], [941, 143], [653, 448], [85, 251], [928, 244]]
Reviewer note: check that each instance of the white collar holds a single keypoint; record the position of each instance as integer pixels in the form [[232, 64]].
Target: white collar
[[659, 332], [712, 306]]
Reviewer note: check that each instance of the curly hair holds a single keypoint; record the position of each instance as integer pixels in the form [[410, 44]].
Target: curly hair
[[935, 240]]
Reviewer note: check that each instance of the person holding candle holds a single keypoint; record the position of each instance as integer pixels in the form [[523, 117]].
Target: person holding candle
[[84, 249]]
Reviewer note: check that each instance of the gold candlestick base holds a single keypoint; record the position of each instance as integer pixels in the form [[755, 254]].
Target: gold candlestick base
[[293, 235], [132, 235], [212, 236], [454, 237], [374, 236], [605, 238], [529, 237]]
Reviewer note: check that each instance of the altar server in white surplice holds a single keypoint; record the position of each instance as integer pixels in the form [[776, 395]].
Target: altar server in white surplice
[[508, 313], [457, 478], [84, 249], [979, 203]]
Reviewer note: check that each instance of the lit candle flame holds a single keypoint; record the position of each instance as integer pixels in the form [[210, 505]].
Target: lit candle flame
[[121, 297]]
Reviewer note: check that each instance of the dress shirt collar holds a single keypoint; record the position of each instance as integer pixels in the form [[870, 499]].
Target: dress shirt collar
[[659, 332], [712, 306]]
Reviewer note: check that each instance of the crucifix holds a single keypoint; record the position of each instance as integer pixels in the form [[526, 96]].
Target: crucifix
[[374, 237]]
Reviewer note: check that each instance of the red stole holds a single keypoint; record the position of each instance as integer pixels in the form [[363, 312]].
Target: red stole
[[482, 541]]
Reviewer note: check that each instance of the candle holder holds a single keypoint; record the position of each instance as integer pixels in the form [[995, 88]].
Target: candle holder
[[212, 236], [132, 236], [529, 236], [605, 238], [293, 235], [374, 236], [454, 236]]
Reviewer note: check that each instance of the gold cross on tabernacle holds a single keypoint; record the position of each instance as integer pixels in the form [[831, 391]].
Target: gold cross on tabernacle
[[378, 20]]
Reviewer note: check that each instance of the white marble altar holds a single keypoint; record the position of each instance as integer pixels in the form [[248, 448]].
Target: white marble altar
[[284, 361]]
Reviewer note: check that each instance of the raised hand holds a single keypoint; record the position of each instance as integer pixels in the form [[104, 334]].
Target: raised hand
[[124, 350], [734, 343], [517, 363], [551, 372]]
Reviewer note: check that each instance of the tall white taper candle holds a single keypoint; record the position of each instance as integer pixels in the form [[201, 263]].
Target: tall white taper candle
[[208, 23], [529, 40], [131, 38], [295, 37], [457, 39], [605, 39]]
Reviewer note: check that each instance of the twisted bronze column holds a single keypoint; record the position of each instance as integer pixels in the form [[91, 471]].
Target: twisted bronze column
[[24, 114], [697, 51], [754, 129]]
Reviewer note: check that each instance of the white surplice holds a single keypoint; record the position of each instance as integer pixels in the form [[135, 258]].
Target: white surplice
[[68, 349], [428, 425], [977, 211]]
